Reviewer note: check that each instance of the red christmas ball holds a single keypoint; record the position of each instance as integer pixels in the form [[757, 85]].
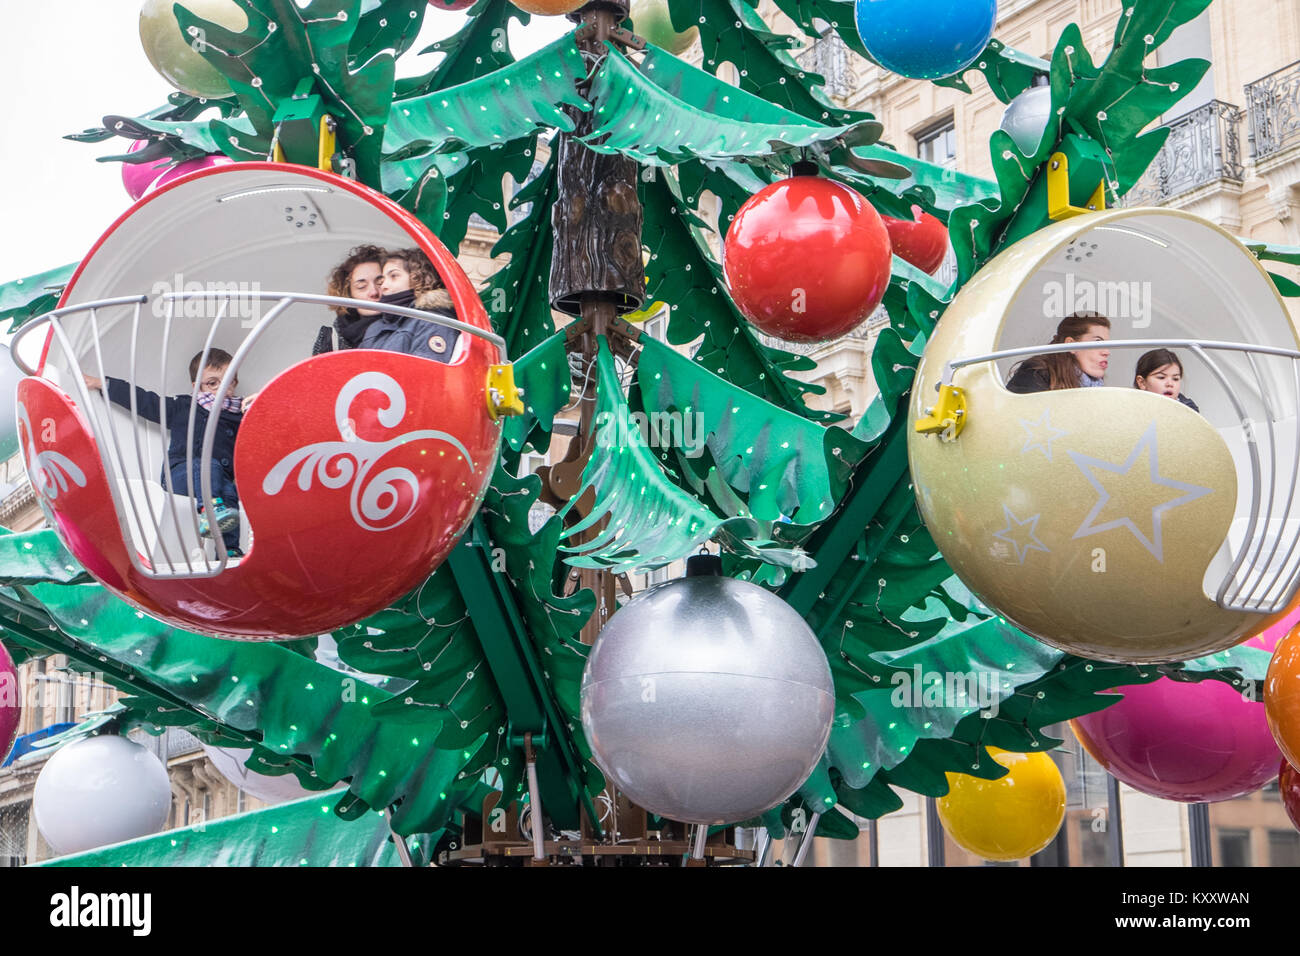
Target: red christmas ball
[[807, 259], [921, 240], [451, 4], [1288, 782]]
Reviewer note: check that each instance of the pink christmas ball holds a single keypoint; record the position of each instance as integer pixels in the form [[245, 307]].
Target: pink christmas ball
[[137, 177], [187, 167], [11, 711], [1194, 743]]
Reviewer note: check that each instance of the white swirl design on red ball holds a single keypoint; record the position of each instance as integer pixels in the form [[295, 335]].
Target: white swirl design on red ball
[[350, 460], [49, 470]]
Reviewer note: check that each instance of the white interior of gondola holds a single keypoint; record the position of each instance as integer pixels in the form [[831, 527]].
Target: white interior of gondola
[[238, 231], [1161, 276]]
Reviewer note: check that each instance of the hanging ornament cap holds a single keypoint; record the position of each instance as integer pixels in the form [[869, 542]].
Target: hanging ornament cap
[[704, 565]]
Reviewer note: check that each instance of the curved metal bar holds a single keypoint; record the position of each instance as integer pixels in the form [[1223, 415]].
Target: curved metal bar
[[1252, 449], [205, 457], [1294, 477], [1031, 350], [1252, 594], [93, 416], [210, 432], [367, 304]]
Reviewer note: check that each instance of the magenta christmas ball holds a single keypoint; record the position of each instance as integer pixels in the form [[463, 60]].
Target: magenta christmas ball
[[11, 711], [137, 177], [1194, 743], [187, 167]]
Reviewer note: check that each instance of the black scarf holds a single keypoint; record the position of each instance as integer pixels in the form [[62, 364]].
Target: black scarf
[[403, 299], [351, 327]]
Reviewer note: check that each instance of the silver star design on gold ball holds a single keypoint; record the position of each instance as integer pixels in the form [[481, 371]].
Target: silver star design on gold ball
[[1094, 469], [1040, 433], [1021, 535]]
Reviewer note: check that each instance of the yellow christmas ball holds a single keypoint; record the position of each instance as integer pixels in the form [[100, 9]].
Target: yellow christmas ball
[[1010, 818], [548, 8], [176, 56]]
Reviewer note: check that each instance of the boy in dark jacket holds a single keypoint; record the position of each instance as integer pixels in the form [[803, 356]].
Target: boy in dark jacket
[[184, 479]]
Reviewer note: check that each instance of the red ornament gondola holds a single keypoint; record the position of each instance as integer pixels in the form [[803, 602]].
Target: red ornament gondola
[[357, 470]]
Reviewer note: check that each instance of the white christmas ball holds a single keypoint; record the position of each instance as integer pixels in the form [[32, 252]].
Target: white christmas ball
[[1026, 116], [99, 791], [707, 700]]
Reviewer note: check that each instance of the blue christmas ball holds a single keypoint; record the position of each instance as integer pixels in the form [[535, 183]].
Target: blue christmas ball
[[925, 39]]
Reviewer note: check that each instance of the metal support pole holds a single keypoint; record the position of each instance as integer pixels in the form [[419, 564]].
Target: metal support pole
[[403, 853], [762, 847], [1198, 824], [933, 834], [873, 836], [701, 837], [1114, 822], [806, 843], [534, 799]]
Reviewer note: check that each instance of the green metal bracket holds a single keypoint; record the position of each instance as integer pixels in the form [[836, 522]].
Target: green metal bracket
[[513, 660], [1088, 166], [297, 122]]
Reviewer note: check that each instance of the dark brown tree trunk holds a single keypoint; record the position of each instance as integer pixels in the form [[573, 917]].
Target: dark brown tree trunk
[[597, 216]]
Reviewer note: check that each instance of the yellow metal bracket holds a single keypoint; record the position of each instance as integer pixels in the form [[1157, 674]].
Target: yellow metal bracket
[[328, 143], [1058, 191], [503, 396], [948, 416]]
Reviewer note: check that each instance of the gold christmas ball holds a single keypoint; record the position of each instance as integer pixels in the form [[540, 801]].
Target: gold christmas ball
[[548, 8], [1111, 522], [175, 55], [650, 20]]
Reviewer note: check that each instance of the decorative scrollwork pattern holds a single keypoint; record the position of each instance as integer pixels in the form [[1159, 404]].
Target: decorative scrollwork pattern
[[349, 462]]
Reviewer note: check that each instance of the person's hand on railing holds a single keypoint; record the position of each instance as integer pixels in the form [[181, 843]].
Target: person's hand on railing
[[94, 384]]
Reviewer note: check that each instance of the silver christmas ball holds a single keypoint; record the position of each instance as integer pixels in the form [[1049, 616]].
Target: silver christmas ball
[[707, 700], [1026, 118]]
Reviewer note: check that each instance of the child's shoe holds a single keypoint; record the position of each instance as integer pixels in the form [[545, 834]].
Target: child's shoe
[[227, 518]]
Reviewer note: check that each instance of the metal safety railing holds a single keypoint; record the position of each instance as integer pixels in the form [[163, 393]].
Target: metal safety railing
[[136, 514], [1254, 582]]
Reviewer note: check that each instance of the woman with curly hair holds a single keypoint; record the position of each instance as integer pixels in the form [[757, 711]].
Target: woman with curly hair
[[356, 277], [409, 280], [404, 277]]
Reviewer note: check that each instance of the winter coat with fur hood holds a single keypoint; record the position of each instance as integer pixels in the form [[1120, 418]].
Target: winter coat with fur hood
[[397, 333]]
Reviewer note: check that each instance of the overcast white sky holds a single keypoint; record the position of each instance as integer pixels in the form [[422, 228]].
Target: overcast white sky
[[68, 63]]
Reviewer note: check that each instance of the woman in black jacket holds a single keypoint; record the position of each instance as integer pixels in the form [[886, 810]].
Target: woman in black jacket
[[402, 278], [1059, 370]]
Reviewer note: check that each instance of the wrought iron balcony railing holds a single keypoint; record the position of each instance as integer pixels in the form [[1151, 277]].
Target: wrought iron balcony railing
[[1274, 106], [829, 57], [1204, 147]]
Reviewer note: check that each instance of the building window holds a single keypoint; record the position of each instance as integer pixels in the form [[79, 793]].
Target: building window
[[938, 145], [13, 834], [1283, 848], [657, 327], [1234, 847]]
